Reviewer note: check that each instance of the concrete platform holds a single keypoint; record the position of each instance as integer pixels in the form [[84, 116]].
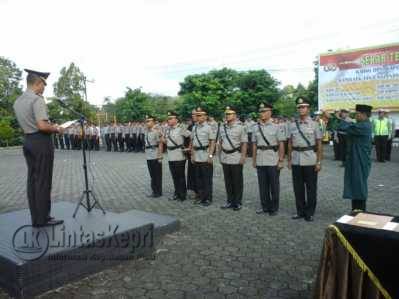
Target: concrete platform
[[35, 260]]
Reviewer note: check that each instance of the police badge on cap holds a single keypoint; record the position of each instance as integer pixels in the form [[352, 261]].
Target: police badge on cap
[[265, 107], [199, 111], [302, 102], [42, 75]]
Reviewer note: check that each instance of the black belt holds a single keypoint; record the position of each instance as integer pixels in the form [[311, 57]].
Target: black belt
[[238, 149], [269, 147], [200, 148], [303, 149], [151, 146], [171, 148]]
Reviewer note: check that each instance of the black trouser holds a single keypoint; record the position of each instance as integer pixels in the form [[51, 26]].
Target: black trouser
[[336, 147], [358, 204], [269, 187], [107, 142], [155, 170], [305, 178], [142, 143], [39, 155], [191, 177], [114, 142], [86, 141], [234, 183], [96, 142], [342, 147], [61, 140], [78, 142], [91, 140], [134, 142], [177, 169], [203, 178], [55, 140], [128, 143], [389, 150], [381, 147], [120, 142], [72, 141], [249, 147]]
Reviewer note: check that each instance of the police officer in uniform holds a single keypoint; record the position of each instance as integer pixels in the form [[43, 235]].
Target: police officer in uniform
[[31, 112], [113, 132], [191, 177], [174, 140], [202, 147], [153, 151], [61, 141], [304, 158], [268, 158], [233, 150]]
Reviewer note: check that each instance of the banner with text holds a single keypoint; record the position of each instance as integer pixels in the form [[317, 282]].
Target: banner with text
[[365, 76]]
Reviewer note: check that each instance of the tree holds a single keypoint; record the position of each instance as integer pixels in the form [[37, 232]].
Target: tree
[[6, 132], [10, 89], [70, 87], [220, 88]]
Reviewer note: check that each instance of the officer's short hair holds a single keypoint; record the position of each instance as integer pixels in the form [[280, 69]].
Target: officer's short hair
[[32, 78]]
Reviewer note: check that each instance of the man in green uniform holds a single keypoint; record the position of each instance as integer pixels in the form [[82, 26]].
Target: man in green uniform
[[358, 163]]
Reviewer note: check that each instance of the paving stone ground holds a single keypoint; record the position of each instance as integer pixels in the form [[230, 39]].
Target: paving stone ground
[[216, 253]]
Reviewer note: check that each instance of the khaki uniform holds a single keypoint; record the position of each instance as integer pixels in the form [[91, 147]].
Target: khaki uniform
[[38, 150]]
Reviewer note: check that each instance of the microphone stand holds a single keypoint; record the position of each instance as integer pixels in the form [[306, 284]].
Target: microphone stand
[[91, 200]]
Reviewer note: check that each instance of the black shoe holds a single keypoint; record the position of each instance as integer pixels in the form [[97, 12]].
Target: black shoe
[[205, 203], [182, 198], [295, 217], [273, 213], [261, 211], [309, 218], [174, 197], [237, 208], [52, 222], [227, 206]]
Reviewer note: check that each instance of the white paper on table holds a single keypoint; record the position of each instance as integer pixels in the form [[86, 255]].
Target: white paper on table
[[345, 219], [390, 226]]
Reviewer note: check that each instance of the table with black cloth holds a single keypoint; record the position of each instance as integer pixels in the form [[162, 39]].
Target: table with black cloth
[[358, 262]]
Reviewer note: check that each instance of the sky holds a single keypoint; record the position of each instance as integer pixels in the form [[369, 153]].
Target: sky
[[154, 44]]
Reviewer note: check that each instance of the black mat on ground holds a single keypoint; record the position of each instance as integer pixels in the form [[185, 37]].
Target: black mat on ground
[[34, 260]]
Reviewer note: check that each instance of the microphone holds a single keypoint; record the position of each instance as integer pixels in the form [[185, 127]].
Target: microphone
[[61, 101]]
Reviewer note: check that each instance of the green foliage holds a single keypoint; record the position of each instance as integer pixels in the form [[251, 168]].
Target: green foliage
[[226, 87], [7, 132], [10, 89], [70, 87], [136, 104]]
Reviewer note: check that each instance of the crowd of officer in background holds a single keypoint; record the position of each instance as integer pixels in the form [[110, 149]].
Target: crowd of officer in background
[[268, 140]]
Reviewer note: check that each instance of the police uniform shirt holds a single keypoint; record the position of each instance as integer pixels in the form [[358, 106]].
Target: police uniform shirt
[[177, 134], [87, 131], [203, 133], [29, 109], [112, 129], [126, 130], [312, 132], [237, 134], [152, 138], [119, 129], [273, 133]]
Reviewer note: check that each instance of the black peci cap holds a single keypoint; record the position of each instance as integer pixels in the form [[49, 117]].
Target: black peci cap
[[363, 108]]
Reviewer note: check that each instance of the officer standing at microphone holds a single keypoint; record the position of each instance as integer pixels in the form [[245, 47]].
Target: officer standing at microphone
[[31, 112]]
